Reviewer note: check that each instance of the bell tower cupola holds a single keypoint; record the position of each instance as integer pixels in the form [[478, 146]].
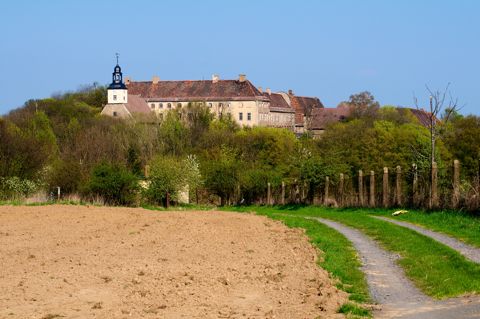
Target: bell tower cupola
[[117, 90]]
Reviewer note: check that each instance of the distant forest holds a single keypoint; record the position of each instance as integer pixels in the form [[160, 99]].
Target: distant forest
[[64, 142]]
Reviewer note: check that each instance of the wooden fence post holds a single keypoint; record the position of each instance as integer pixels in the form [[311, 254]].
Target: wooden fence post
[[456, 184], [398, 186], [415, 185], [147, 171], [372, 189], [283, 193], [269, 194], [350, 198], [434, 190], [297, 192], [385, 189], [239, 194], [340, 190], [303, 192], [360, 187], [327, 183]]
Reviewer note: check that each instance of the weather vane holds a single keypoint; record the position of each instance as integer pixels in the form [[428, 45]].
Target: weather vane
[[117, 55]]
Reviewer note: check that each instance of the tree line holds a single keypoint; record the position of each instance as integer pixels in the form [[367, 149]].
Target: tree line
[[64, 142]]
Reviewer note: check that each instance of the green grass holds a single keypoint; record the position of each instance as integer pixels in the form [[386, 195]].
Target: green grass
[[437, 270], [460, 225], [339, 258], [355, 310], [179, 207], [55, 202]]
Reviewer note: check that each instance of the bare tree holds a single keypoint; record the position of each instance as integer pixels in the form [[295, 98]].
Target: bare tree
[[363, 105], [440, 101]]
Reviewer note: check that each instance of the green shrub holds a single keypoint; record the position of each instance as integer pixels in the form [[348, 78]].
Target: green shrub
[[65, 174], [114, 183], [166, 176], [12, 188]]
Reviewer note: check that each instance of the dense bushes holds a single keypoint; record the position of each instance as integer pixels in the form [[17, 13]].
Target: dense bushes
[[64, 142], [113, 183]]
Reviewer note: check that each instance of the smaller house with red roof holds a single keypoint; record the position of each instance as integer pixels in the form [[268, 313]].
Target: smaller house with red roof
[[323, 117]]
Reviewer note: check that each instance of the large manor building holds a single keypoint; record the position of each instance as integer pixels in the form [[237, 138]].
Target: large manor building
[[247, 104]]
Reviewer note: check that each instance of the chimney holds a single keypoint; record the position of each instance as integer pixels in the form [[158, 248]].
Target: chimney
[[215, 78], [260, 89], [155, 79], [127, 80], [269, 91], [290, 92], [242, 78]]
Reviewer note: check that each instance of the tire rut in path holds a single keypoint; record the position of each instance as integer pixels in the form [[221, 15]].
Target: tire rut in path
[[386, 280], [466, 250], [389, 287]]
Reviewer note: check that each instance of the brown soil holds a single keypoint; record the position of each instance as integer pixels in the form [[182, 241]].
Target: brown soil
[[97, 262]]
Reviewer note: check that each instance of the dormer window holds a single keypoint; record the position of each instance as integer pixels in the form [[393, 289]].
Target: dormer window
[[160, 105], [179, 105], [169, 105], [152, 106]]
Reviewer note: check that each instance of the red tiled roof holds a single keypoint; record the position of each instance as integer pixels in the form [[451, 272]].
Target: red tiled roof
[[278, 103], [322, 117], [422, 116], [137, 105], [195, 90], [301, 104]]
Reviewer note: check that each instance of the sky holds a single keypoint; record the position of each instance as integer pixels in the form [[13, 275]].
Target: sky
[[329, 49]]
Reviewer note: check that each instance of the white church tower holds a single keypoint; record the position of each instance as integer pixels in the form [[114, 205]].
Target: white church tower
[[117, 91]]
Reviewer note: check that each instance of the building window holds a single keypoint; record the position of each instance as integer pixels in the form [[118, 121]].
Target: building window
[[161, 116], [160, 105], [114, 113], [209, 104], [220, 104], [152, 106], [169, 105], [179, 105], [249, 116], [240, 116], [114, 97]]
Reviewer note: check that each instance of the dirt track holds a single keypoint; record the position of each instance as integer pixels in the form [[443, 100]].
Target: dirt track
[[90, 262], [397, 296]]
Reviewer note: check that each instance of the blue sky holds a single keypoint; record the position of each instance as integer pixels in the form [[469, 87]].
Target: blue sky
[[328, 49]]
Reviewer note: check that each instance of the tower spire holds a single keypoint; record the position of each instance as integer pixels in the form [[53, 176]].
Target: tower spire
[[117, 90]]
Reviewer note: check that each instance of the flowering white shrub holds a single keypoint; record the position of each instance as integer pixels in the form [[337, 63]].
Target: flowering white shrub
[[16, 188]]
